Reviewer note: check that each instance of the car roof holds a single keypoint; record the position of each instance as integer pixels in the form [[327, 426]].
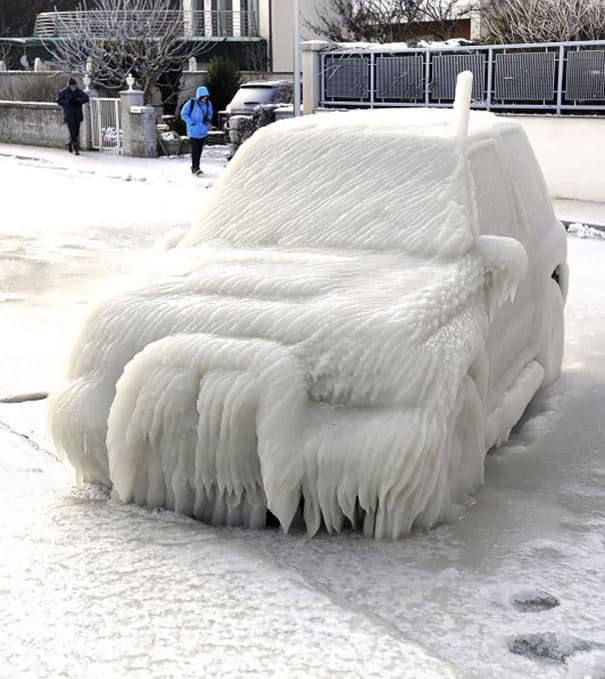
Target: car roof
[[418, 123], [268, 83]]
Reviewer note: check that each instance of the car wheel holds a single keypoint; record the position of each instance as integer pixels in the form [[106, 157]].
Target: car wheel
[[466, 464], [551, 352]]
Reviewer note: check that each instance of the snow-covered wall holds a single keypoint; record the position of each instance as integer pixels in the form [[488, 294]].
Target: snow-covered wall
[[25, 122], [571, 152]]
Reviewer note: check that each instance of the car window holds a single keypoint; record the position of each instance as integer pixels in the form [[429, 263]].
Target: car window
[[530, 187], [282, 95], [251, 96], [496, 209]]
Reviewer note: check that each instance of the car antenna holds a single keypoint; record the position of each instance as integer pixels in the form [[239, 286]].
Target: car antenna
[[462, 105]]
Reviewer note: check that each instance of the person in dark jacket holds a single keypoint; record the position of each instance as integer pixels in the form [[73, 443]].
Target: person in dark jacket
[[71, 99], [197, 113]]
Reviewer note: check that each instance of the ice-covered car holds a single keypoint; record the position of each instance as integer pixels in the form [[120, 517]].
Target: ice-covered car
[[348, 356]]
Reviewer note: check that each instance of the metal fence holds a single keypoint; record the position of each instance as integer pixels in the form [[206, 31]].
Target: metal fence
[[549, 77], [106, 124]]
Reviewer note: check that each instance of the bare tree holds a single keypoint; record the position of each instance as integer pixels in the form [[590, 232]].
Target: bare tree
[[117, 37], [525, 21], [255, 54], [389, 20], [445, 16]]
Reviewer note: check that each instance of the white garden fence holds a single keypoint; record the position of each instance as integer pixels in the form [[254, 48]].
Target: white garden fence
[[106, 124]]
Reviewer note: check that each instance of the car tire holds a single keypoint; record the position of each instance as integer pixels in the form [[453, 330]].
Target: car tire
[[466, 468], [553, 338]]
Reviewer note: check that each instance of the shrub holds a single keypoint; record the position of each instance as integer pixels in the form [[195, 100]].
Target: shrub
[[222, 80]]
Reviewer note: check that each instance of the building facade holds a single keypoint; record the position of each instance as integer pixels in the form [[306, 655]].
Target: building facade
[[247, 21], [257, 34]]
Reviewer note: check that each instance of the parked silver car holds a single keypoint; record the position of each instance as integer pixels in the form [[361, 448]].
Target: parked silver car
[[253, 94], [258, 92]]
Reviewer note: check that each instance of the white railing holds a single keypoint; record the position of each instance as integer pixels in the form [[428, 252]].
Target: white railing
[[187, 24], [106, 124]]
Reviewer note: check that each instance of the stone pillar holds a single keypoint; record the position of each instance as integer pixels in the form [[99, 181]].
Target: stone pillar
[[87, 126], [138, 126], [311, 70]]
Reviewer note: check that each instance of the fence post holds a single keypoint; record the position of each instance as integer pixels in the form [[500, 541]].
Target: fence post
[[311, 74], [490, 76], [372, 79], [560, 79], [427, 73], [86, 141]]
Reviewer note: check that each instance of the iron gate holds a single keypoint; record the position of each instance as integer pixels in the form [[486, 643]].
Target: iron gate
[[106, 124]]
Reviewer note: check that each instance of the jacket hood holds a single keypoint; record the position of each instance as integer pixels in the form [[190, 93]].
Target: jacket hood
[[202, 91]]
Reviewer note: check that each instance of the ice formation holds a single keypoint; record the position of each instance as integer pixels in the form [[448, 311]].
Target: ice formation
[[336, 336]]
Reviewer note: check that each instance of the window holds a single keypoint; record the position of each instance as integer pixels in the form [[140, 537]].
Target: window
[[493, 193]]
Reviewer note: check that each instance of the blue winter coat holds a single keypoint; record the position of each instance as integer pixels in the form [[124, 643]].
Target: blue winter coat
[[197, 114]]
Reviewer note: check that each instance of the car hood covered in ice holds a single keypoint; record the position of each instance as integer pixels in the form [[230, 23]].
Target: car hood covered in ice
[[313, 343]]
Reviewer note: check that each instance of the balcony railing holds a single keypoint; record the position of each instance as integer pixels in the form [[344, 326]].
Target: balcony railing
[[188, 24]]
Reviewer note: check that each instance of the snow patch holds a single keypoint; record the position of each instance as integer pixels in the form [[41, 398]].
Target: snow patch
[[585, 231]]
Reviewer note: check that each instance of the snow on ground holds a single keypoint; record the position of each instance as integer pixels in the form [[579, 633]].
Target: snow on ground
[[89, 588]]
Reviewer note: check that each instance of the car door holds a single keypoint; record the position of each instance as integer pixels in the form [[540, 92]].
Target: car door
[[510, 343]]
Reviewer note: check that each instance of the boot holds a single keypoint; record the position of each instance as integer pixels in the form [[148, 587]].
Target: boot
[[69, 147], [77, 149]]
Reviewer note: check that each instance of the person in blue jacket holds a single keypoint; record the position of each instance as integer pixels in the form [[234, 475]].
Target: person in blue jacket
[[197, 113], [71, 99]]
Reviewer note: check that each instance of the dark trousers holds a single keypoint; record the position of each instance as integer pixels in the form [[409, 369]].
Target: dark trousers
[[74, 134], [197, 146]]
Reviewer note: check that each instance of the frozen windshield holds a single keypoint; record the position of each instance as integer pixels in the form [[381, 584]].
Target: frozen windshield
[[362, 179]]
